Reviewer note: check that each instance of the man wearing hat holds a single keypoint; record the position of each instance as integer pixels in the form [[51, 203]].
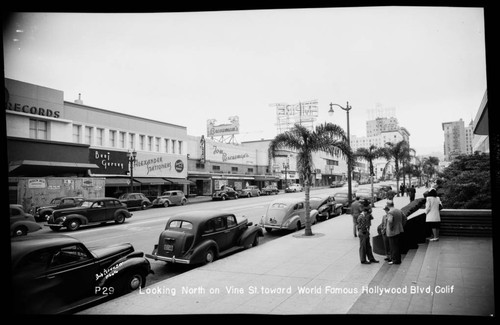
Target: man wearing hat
[[396, 220], [382, 230], [364, 223]]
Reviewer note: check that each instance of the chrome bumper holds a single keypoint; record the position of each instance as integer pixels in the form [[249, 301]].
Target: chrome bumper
[[167, 259]]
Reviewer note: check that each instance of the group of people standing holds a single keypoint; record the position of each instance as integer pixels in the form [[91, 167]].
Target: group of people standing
[[391, 228], [410, 191]]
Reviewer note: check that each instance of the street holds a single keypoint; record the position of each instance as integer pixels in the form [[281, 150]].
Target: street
[[144, 227]]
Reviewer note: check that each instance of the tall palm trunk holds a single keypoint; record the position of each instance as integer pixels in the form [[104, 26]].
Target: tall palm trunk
[[308, 230]]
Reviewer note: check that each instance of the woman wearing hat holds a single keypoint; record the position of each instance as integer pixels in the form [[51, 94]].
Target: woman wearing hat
[[433, 218]]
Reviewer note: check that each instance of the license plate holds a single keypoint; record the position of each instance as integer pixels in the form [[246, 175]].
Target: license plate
[[168, 247]]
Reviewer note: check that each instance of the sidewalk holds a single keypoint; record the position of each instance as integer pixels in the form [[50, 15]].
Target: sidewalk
[[322, 274]]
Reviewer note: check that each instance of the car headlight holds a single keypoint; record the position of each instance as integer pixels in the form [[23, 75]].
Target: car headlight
[[61, 219]]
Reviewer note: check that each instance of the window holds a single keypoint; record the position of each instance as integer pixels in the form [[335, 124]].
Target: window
[[167, 141], [122, 139], [234, 169], [76, 133], [181, 224], [99, 137], [68, 255], [38, 129], [157, 144], [173, 146], [141, 142], [219, 224], [231, 221], [112, 138], [131, 138], [200, 165], [250, 170], [180, 147], [88, 135], [216, 168], [150, 143]]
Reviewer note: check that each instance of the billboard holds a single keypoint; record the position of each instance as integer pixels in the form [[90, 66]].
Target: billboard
[[231, 128], [303, 113]]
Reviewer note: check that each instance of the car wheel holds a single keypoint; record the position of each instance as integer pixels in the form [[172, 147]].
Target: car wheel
[[236, 197], [269, 230], [73, 224], [133, 281], [20, 231], [209, 256], [223, 198], [144, 205], [249, 195], [255, 240], [166, 204], [297, 226], [120, 218], [183, 202]]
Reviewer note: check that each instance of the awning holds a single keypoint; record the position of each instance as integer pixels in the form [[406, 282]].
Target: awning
[[262, 178], [42, 168], [151, 180], [180, 181], [119, 181]]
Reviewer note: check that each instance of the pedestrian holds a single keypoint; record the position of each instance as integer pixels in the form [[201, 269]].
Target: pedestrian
[[355, 211], [396, 220], [382, 231], [364, 223], [433, 217], [413, 191]]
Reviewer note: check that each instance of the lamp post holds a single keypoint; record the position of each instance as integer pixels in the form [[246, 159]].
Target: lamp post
[[349, 167], [131, 159]]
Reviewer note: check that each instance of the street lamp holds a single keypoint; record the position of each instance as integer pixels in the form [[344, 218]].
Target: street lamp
[[349, 167], [131, 159]]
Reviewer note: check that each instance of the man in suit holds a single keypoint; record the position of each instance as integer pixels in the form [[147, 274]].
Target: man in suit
[[396, 220], [356, 208]]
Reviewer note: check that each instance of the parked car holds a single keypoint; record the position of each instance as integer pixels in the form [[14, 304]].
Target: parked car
[[343, 198], [337, 184], [326, 206], [365, 193], [169, 198], [42, 213], [294, 188], [200, 237], [21, 223], [354, 184], [59, 274], [224, 194], [249, 191], [90, 211], [270, 189], [382, 190], [135, 200], [288, 214]]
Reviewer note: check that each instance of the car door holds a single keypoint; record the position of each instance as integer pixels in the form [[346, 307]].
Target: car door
[[174, 198], [215, 230], [300, 210], [97, 212], [231, 232]]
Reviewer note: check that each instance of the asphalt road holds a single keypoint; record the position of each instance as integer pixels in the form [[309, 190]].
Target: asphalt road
[[144, 228]]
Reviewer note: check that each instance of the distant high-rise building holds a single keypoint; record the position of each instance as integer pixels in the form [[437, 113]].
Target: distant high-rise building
[[469, 136], [454, 139], [381, 124]]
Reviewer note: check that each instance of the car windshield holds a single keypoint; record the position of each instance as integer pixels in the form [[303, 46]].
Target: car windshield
[[123, 197], [55, 201], [86, 204]]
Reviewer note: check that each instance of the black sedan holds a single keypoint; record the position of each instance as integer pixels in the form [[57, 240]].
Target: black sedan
[[200, 237], [225, 194], [326, 206], [58, 274]]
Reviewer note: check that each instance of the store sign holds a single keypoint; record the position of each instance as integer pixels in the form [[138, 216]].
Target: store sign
[[225, 152], [158, 165], [32, 99], [37, 183], [110, 162], [223, 129]]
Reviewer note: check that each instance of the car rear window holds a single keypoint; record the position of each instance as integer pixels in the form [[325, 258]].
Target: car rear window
[[181, 224]]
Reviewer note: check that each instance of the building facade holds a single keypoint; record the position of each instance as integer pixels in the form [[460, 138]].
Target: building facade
[[454, 139]]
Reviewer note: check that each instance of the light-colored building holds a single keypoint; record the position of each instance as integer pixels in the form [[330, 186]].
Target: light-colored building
[[454, 139]]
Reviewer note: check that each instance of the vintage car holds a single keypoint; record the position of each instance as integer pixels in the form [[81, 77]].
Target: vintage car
[[21, 223], [90, 211], [135, 201], [294, 188], [270, 189], [337, 183], [200, 237], [365, 193], [169, 198], [249, 191], [42, 213], [224, 194], [53, 273], [288, 214], [326, 206], [343, 198]]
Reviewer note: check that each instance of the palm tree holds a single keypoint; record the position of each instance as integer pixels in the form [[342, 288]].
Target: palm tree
[[429, 166], [326, 137], [370, 154], [396, 152]]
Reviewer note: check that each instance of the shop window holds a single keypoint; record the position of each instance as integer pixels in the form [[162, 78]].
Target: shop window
[[250, 170], [38, 129], [112, 138]]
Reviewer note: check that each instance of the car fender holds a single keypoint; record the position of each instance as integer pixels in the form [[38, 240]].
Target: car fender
[[82, 218], [247, 236], [114, 273], [313, 214], [292, 221], [197, 255], [124, 211], [30, 225]]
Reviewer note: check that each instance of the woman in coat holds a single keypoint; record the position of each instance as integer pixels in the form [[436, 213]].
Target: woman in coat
[[433, 218]]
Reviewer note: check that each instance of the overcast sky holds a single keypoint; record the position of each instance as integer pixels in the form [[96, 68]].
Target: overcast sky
[[428, 63]]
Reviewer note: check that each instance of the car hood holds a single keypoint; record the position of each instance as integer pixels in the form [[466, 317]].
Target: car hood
[[118, 250], [50, 206], [71, 210]]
